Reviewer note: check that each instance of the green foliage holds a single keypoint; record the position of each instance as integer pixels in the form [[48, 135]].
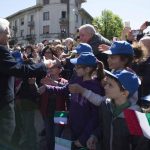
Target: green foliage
[[108, 24]]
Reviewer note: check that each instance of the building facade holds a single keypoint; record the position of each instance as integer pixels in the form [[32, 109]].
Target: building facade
[[48, 19]]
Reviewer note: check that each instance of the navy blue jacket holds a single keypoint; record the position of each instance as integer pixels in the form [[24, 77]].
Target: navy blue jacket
[[9, 68]]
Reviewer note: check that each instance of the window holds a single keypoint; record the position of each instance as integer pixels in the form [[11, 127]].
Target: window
[[63, 1], [22, 21], [15, 22], [63, 14], [21, 33], [46, 16], [46, 29], [45, 2], [32, 18], [82, 21]]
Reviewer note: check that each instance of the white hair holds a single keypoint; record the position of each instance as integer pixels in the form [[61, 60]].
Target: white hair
[[4, 25], [88, 28], [69, 40]]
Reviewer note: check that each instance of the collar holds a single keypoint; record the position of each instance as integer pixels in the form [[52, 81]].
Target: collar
[[119, 109]]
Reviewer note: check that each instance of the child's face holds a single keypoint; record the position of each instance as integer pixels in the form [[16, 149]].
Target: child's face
[[115, 62], [112, 89], [59, 51], [79, 70], [48, 54]]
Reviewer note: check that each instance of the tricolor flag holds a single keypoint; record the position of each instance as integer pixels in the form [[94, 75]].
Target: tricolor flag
[[138, 123], [61, 117]]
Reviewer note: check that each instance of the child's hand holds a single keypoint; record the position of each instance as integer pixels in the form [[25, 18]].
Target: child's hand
[[78, 144], [47, 80], [32, 80], [42, 89], [91, 143], [76, 88]]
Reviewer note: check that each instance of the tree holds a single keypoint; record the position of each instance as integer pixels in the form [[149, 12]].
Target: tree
[[108, 24]]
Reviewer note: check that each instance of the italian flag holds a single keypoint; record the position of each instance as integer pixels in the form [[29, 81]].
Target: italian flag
[[138, 123], [60, 117]]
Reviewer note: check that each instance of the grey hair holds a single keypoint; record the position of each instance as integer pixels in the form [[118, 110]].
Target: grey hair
[[88, 28], [69, 39], [4, 25]]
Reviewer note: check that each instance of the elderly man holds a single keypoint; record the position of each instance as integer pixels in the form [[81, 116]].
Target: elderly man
[[9, 69], [88, 35]]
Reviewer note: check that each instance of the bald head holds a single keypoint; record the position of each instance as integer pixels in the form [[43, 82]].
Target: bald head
[[86, 32]]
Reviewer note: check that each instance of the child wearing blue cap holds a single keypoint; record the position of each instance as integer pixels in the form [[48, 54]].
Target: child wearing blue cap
[[83, 115], [113, 132], [68, 66], [120, 56]]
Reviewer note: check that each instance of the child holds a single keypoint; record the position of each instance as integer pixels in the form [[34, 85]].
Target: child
[[113, 132], [49, 103], [120, 56], [83, 115]]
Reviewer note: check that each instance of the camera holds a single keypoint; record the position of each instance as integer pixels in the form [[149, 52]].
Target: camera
[[136, 32], [147, 23]]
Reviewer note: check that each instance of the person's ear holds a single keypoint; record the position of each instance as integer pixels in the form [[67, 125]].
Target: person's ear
[[126, 93]]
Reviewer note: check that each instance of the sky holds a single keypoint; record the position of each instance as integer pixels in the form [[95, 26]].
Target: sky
[[135, 11]]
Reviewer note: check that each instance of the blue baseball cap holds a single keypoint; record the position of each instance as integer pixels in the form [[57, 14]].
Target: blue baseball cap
[[87, 59], [127, 79], [83, 47], [120, 48]]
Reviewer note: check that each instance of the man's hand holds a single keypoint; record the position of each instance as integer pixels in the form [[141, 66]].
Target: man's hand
[[143, 26], [47, 80], [103, 47]]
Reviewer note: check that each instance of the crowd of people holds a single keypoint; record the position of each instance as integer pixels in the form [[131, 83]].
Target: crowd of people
[[90, 81]]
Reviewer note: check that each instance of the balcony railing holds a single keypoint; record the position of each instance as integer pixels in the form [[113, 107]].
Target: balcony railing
[[50, 35]]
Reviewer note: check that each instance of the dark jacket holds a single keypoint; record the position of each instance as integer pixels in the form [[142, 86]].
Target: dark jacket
[[10, 68], [95, 41], [113, 132], [143, 70]]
